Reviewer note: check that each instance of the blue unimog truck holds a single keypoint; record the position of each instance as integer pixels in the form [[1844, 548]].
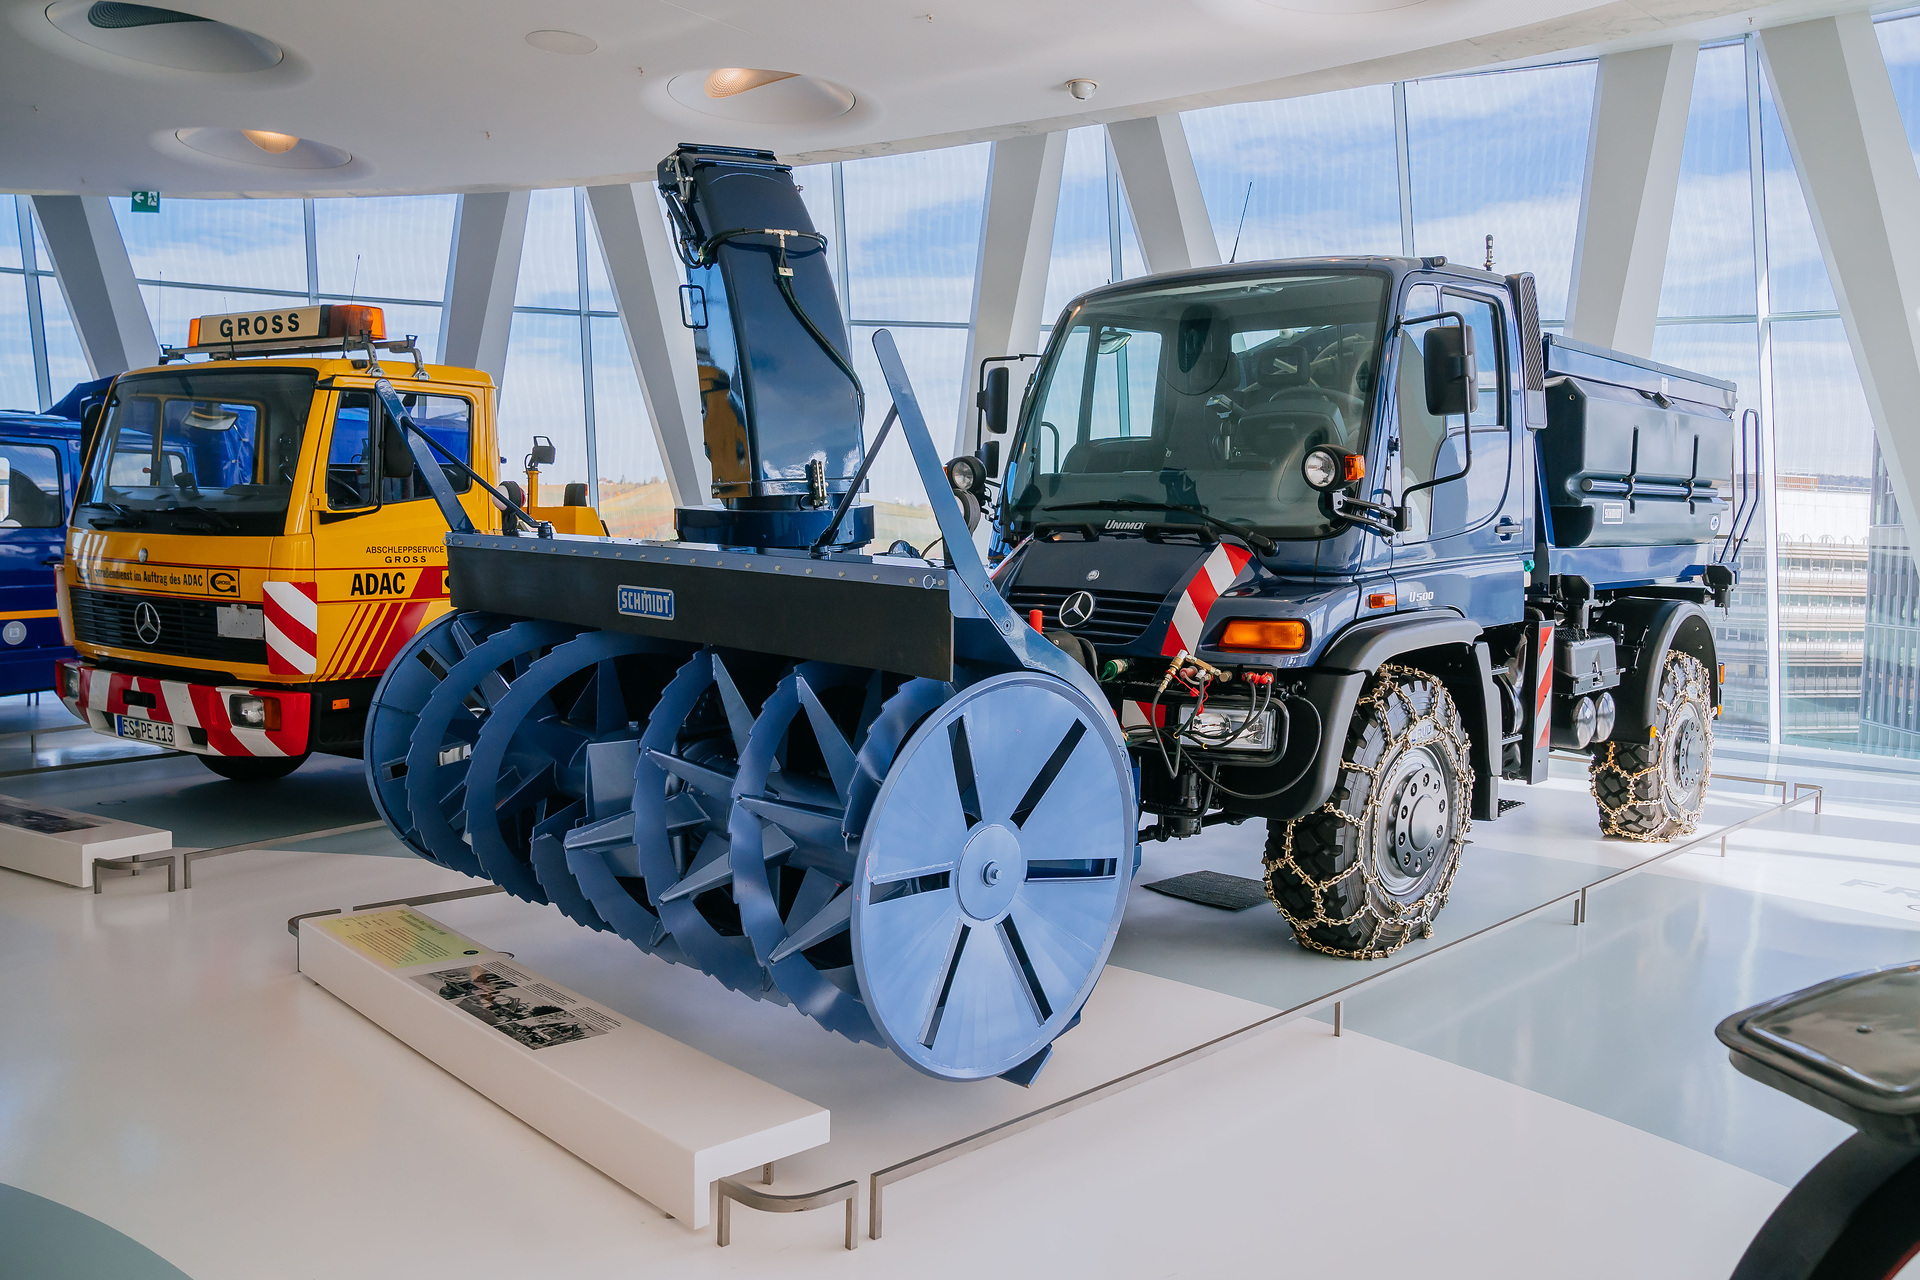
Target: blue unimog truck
[[1343, 544], [41, 454]]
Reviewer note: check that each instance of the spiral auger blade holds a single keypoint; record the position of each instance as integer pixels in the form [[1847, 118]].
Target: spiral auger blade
[[394, 713], [683, 782], [557, 754], [791, 858], [439, 757]]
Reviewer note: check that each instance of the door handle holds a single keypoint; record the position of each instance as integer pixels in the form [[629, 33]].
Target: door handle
[[53, 563], [1506, 527]]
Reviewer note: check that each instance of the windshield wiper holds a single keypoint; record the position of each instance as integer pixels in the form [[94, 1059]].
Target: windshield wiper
[[123, 517], [1259, 542]]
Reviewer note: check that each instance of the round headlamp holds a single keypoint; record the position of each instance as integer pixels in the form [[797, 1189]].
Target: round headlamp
[[1322, 468]]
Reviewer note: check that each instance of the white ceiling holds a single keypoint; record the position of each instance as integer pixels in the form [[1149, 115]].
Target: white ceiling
[[449, 95]]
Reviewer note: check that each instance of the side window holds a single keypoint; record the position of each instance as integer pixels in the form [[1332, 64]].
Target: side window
[[350, 482], [448, 420], [1434, 447], [31, 474], [1484, 320], [369, 464]]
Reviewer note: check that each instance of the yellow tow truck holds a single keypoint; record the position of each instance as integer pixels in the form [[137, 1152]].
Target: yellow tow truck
[[254, 537]]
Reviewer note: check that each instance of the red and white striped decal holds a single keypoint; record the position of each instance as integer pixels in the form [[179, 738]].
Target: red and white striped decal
[[1543, 689], [1215, 574], [293, 627], [103, 695]]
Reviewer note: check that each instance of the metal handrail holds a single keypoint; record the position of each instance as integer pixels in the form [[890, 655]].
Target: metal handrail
[[767, 1202]]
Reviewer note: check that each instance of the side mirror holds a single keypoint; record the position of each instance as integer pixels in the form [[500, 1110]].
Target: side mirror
[[90, 419], [693, 306], [990, 454], [993, 399], [542, 454], [1452, 377], [396, 456]]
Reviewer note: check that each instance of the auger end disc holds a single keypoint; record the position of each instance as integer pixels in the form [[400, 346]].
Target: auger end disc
[[993, 870]]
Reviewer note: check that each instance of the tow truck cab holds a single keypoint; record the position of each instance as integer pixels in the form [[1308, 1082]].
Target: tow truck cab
[[252, 540]]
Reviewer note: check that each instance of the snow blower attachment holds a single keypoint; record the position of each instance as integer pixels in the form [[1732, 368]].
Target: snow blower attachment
[[859, 784]]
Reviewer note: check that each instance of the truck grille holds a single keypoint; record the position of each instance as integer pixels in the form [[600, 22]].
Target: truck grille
[[187, 627], [1119, 617]]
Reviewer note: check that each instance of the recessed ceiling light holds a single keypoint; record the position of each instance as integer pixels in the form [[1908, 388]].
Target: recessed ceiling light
[[263, 147], [753, 96], [270, 142], [728, 81], [562, 42], [164, 37]]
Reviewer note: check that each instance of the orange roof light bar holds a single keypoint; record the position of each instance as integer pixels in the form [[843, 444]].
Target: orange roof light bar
[[1265, 635]]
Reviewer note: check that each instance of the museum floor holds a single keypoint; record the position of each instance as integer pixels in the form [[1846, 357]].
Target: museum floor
[[1545, 1099]]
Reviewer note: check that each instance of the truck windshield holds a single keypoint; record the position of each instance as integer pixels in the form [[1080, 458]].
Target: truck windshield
[[1205, 396], [198, 452]]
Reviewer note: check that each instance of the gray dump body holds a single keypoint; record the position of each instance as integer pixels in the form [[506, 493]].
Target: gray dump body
[[1636, 462]]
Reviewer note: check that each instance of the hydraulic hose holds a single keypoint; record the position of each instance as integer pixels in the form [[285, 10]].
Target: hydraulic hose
[[785, 277]]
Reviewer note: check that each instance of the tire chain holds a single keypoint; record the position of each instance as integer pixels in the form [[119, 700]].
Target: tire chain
[[1610, 815], [1409, 918]]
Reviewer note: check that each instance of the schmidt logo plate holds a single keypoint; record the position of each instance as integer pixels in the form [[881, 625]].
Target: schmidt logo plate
[[647, 602]]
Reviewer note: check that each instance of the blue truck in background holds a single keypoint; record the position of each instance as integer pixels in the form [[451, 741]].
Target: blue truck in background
[[40, 456]]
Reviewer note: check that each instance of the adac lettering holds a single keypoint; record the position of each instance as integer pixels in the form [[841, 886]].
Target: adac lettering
[[378, 584]]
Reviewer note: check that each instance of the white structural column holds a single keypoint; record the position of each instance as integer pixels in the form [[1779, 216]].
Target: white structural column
[[1843, 128], [96, 277], [1163, 191], [1016, 247], [1639, 128], [646, 281], [489, 229]]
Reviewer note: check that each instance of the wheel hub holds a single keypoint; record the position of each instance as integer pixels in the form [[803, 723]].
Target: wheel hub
[[990, 871], [1689, 753], [1417, 819]]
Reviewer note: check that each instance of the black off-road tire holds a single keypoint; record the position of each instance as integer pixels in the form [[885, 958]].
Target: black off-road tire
[[1366, 873], [253, 768], [1653, 789]]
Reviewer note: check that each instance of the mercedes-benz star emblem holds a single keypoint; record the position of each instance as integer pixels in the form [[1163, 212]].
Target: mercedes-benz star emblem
[[146, 622], [1077, 609]]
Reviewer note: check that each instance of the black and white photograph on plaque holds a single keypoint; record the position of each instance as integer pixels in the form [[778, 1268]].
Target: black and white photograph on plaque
[[519, 1005]]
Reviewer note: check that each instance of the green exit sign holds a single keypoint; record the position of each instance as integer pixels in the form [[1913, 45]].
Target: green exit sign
[[146, 202]]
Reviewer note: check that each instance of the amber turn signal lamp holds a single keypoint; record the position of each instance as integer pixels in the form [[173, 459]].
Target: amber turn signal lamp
[[1265, 635], [1353, 467], [1382, 600]]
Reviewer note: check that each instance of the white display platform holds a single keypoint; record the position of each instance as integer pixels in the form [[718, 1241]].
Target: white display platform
[[657, 1116], [59, 844]]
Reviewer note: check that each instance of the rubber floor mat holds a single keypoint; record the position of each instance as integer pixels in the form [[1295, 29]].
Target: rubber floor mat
[[1213, 889]]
